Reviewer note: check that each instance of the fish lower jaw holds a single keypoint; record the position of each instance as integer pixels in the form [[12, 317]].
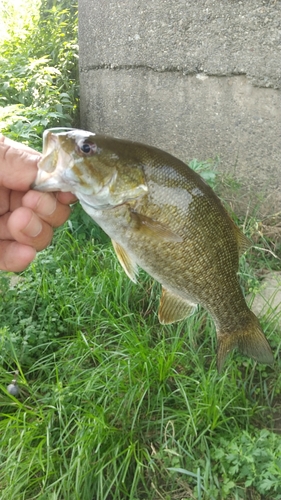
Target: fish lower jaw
[[92, 210], [50, 184]]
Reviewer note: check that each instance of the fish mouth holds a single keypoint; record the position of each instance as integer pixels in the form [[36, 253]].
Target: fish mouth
[[48, 176], [50, 140], [55, 167]]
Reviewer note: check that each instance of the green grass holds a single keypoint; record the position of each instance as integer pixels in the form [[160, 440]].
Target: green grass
[[115, 406]]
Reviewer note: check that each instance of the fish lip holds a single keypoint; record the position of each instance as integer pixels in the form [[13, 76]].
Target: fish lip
[[65, 130], [50, 133], [49, 184], [61, 130], [58, 130]]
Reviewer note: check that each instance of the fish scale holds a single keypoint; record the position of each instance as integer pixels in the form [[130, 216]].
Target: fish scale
[[163, 217]]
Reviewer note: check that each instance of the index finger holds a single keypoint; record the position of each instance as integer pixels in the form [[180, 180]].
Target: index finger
[[18, 165], [17, 145]]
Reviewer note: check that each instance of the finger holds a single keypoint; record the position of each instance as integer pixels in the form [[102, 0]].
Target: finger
[[9, 142], [4, 200], [66, 198], [14, 199], [27, 228], [5, 233], [47, 207], [10, 200], [15, 256], [18, 166]]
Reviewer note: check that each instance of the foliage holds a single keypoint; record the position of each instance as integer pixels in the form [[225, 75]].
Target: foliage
[[207, 170], [252, 461], [39, 72]]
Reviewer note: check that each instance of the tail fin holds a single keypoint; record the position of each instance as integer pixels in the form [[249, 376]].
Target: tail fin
[[249, 341]]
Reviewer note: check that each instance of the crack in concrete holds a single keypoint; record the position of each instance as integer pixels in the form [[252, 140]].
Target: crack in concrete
[[163, 69], [177, 69]]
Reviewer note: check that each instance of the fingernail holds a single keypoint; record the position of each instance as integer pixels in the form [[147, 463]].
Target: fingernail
[[47, 204], [33, 228]]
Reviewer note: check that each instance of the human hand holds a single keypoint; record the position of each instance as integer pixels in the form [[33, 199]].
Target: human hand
[[27, 217]]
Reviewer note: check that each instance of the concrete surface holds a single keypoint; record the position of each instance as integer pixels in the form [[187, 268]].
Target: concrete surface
[[267, 302], [198, 79]]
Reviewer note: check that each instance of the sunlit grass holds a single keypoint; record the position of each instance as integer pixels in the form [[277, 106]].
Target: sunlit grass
[[16, 16]]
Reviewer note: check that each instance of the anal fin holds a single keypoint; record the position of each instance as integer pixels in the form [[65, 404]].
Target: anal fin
[[173, 308], [129, 266]]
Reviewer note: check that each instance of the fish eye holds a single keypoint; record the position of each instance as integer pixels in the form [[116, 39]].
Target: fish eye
[[86, 148]]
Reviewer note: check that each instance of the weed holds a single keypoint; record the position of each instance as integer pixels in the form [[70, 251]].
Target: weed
[[38, 70], [112, 404]]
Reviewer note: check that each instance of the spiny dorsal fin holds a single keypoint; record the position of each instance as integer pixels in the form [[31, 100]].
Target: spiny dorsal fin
[[173, 308], [128, 264]]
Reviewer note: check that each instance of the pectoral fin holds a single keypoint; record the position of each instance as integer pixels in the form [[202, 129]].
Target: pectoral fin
[[154, 229], [173, 308], [129, 266]]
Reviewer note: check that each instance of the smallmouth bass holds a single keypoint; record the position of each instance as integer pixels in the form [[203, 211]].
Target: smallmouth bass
[[163, 217]]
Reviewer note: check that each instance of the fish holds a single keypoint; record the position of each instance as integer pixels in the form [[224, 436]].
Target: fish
[[163, 217]]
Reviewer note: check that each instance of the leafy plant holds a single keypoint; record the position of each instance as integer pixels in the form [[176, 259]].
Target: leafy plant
[[251, 461], [207, 170], [39, 73]]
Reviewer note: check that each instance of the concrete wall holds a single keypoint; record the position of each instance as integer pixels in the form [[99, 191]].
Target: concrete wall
[[198, 78]]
